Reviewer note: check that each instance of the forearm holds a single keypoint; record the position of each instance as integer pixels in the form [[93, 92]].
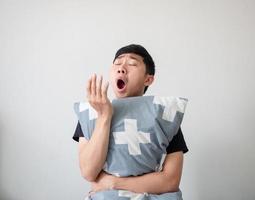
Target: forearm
[[92, 157], [154, 183]]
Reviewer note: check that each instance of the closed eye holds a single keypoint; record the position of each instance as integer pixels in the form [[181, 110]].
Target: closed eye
[[132, 64]]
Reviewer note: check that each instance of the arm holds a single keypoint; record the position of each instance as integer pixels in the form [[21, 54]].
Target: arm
[[167, 180], [164, 181], [93, 152]]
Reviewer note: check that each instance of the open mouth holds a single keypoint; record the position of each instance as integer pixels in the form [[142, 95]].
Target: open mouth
[[120, 84]]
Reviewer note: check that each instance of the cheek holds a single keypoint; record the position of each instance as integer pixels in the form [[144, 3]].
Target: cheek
[[140, 74], [137, 79]]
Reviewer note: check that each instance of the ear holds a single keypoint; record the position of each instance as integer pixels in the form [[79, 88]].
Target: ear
[[149, 80]]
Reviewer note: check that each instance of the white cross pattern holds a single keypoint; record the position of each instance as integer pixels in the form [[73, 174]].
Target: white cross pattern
[[171, 106], [132, 137], [132, 195], [84, 106]]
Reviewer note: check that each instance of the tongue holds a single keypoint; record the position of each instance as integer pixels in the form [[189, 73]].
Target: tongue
[[120, 84]]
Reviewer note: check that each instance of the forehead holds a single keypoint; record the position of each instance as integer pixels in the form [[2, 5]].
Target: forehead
[[131, 56]]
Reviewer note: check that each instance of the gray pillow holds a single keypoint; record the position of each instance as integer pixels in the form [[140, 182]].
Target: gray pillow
[[141, 129]]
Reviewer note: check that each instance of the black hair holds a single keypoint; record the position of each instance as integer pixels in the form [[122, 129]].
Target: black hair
[[141, 51]]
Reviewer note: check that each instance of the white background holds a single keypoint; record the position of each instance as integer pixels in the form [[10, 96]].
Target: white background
[[203, 50]]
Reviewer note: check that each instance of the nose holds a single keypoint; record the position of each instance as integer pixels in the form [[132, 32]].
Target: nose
[[122, 70]]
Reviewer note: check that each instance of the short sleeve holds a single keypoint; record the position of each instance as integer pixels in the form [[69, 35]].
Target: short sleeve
[[177, 143], [78, 132]]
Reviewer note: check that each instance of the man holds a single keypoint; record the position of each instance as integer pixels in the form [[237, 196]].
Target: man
[[131, 73]]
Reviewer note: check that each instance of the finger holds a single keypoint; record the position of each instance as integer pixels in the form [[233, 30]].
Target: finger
[[99, 86], [93, 85], [92, 192], [88, 87], [105, 89]]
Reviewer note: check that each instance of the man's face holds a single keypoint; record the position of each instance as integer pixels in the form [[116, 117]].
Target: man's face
[[128, 75]]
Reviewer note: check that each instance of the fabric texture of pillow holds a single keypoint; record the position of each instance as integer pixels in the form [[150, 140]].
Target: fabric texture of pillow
[[141, 129]]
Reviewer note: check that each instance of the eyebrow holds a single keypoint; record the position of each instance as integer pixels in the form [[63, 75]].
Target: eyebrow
[[130, 57]]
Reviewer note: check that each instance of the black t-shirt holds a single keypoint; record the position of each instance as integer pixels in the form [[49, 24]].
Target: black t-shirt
[[177, 143]]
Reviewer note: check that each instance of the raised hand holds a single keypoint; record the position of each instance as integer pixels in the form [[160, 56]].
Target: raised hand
[[97, 96]]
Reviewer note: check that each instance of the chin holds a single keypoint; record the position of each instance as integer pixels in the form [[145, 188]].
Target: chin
[[121, 95]]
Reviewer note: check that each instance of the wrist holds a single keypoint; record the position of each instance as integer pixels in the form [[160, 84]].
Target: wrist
[[118, 183], [107, 113], [104, 118]]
